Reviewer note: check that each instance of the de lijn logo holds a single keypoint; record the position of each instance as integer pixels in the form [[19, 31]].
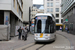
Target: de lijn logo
[[6, 22]]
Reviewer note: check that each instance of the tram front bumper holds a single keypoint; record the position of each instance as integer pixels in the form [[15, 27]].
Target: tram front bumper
[[44, 39]]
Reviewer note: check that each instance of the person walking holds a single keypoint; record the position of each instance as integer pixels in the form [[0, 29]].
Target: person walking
[[20, 31], [25, 36], [68, 30]]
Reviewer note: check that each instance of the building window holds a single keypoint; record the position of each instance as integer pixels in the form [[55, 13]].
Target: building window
[[50, 4], [14, 3], [21, 14], [22, 5], [47, 4], [49, 9], [57, 20], [17, 7], [61, 20], [57, 4], [57, 9], [57, 15], [19, 11]]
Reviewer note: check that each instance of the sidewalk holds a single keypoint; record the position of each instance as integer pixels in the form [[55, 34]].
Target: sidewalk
[[69, 36], [15, 43]]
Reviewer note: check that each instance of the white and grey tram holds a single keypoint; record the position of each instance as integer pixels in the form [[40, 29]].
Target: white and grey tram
[[44, 28]]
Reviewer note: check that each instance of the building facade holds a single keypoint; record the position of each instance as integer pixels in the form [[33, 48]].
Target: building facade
[[27, 6], [53, 7], [11, 14], [36, 10], [68, 13]]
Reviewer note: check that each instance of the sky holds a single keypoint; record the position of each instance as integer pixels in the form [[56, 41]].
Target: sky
[[37, 1]]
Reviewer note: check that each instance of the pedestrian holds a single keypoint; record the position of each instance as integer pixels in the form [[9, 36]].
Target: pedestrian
[[25, 32], [68, 30], [20, 31]]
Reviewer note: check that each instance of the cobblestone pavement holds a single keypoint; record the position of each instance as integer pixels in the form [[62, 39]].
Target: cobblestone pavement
[[69, 36], [15, 43]]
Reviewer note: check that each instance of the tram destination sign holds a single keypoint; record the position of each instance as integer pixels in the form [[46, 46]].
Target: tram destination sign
[[41, 17]]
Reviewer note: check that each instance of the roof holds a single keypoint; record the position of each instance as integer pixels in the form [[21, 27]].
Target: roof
[[36, 5], [41, 7]]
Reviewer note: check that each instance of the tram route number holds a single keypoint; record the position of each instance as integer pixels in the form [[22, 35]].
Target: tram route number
[[41, 35]]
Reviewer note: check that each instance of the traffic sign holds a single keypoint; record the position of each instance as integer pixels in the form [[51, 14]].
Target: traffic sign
[[66, 20]]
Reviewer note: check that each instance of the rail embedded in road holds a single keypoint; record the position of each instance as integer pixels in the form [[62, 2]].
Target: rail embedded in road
[[61, 43]]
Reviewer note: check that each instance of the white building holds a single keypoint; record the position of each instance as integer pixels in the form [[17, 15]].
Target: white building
[[34, 12], [53, 6], [11, 13]]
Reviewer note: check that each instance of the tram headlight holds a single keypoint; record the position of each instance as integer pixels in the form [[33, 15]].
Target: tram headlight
[[36, 35], [47, 35]]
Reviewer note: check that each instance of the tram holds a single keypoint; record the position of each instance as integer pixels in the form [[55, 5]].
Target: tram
[[44, 27]]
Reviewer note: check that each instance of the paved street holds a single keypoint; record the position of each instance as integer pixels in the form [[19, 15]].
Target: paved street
[[63, 41], [15, 43], [69, 36]]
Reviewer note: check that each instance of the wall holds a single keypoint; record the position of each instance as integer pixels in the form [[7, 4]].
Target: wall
[[5, 4], [26, 5], [54, 9], [12, 25], [8, 5], [14, 10]]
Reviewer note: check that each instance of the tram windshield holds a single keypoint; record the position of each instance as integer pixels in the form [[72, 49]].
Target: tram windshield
[[44, 24]]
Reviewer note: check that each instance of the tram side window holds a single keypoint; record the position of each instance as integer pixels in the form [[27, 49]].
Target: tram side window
[[39, 26], [35, 26], [47, 27], [52, 28]]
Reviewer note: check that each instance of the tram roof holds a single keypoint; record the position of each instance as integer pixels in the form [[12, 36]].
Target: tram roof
[[48, 14]]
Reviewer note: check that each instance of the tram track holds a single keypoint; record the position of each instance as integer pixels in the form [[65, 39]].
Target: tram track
[[28, 46], [40, 47], [60, 42], [33, 45]]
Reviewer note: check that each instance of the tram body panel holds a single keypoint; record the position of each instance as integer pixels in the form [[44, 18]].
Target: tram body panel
[[44, 38]]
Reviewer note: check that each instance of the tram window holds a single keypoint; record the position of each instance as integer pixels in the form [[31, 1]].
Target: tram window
[[49, 19], [35, 28], [39, 26], [47, 27], [35, 22], [52, 28]]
